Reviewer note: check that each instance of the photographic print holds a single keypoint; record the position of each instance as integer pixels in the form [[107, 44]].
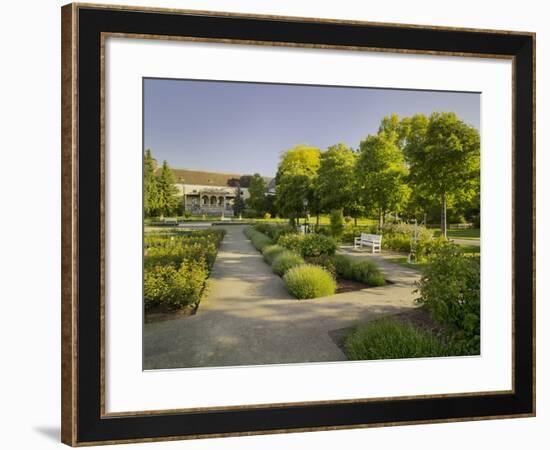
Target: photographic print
[[289, 223]]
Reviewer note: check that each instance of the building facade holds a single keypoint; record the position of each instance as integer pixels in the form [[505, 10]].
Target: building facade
[[212, 193]]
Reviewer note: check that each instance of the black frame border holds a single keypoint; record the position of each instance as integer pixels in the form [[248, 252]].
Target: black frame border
[[91, 426]]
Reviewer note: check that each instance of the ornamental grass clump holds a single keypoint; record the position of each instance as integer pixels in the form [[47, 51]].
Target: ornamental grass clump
[[367, 272], [309, 281], [271, 252], [390, 339], [286, 261]]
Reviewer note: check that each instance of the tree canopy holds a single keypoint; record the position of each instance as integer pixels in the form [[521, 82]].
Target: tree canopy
[[257, 189]]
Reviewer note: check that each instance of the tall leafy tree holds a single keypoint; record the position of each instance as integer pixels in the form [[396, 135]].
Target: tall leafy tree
[[444, 159], [257, 189], [335, 183], [295, 180], [381, 175], [167, 191], [150, 185]]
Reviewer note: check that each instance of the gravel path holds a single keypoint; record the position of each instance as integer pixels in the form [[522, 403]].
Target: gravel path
[[249, 318]]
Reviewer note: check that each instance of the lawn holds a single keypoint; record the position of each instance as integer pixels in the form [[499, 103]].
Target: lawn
[[469, 233]]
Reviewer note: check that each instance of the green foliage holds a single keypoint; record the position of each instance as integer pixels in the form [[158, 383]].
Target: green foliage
[[175, 287], [335, 183], [173, 250], [317, 245], [308, 245], [381, 174], [274, 231], [160, 195], [286, 261], [292, 241], [257, 189], [398, 236], [444, 159], [296, 180], [271, 252], [238, 204], [449, 288], [259, 240], [337, 223], [176, 266], [390, 339], [324, 261], [309, 281], [363, 271], [367, 272], [351, 232]]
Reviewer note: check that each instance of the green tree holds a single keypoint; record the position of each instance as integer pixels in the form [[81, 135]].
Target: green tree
[[238, 204], [295, 180], [257, 189], [335, 183], [167, 191], [150, 185], [381, 175], [443, 154]]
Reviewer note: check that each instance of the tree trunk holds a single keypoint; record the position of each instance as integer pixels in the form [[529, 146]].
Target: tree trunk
[[355, 221], [298, 220], [380, 219], [444, 215], [317, 223]]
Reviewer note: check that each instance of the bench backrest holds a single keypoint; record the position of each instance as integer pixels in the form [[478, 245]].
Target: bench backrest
[[371, 237]]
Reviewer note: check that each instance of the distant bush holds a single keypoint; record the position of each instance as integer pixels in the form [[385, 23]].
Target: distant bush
[[286, 261], [397, 236], [309, 281], [337, 223], [271, 252], [450, 290], [274, 231], [390, 339], [259, 240], [175, 287]]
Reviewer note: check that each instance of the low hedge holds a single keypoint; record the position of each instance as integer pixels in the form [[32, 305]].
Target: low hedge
[[177, 265], [286, 261], [175, 287], [390, 339], [362, 271], [309, 281], [271, 252], [259, 240]]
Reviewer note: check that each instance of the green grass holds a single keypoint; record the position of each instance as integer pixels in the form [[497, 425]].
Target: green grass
[[390, 339], [469, 233]]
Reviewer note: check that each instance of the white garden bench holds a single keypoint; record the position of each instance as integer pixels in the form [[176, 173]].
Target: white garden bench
[[374, 240]]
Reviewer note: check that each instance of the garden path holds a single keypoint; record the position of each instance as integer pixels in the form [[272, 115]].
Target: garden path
[[249, 318]]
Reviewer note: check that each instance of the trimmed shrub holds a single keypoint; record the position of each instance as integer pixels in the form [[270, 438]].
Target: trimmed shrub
[[259, 240], [337, 222], [390, 339], [309, 281], [363, 269], [274, 231], [344, 266], [175, 287], [317, 245], [375, 279], [292, 242], [325, 261], [286, 261], [271, 252], [449, 288]]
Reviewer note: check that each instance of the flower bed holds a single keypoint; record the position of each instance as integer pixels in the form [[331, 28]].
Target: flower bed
[[177, 266]]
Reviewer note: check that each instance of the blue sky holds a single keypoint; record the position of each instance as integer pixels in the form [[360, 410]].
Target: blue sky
[[244, 127]]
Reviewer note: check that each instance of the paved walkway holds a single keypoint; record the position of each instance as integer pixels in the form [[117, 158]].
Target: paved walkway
[[249, 318]]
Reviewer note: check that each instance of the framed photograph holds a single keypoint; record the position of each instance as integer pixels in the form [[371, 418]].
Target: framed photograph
[[281, 224]]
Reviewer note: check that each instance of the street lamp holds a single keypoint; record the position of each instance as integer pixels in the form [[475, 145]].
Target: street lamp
[[306, 203]]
